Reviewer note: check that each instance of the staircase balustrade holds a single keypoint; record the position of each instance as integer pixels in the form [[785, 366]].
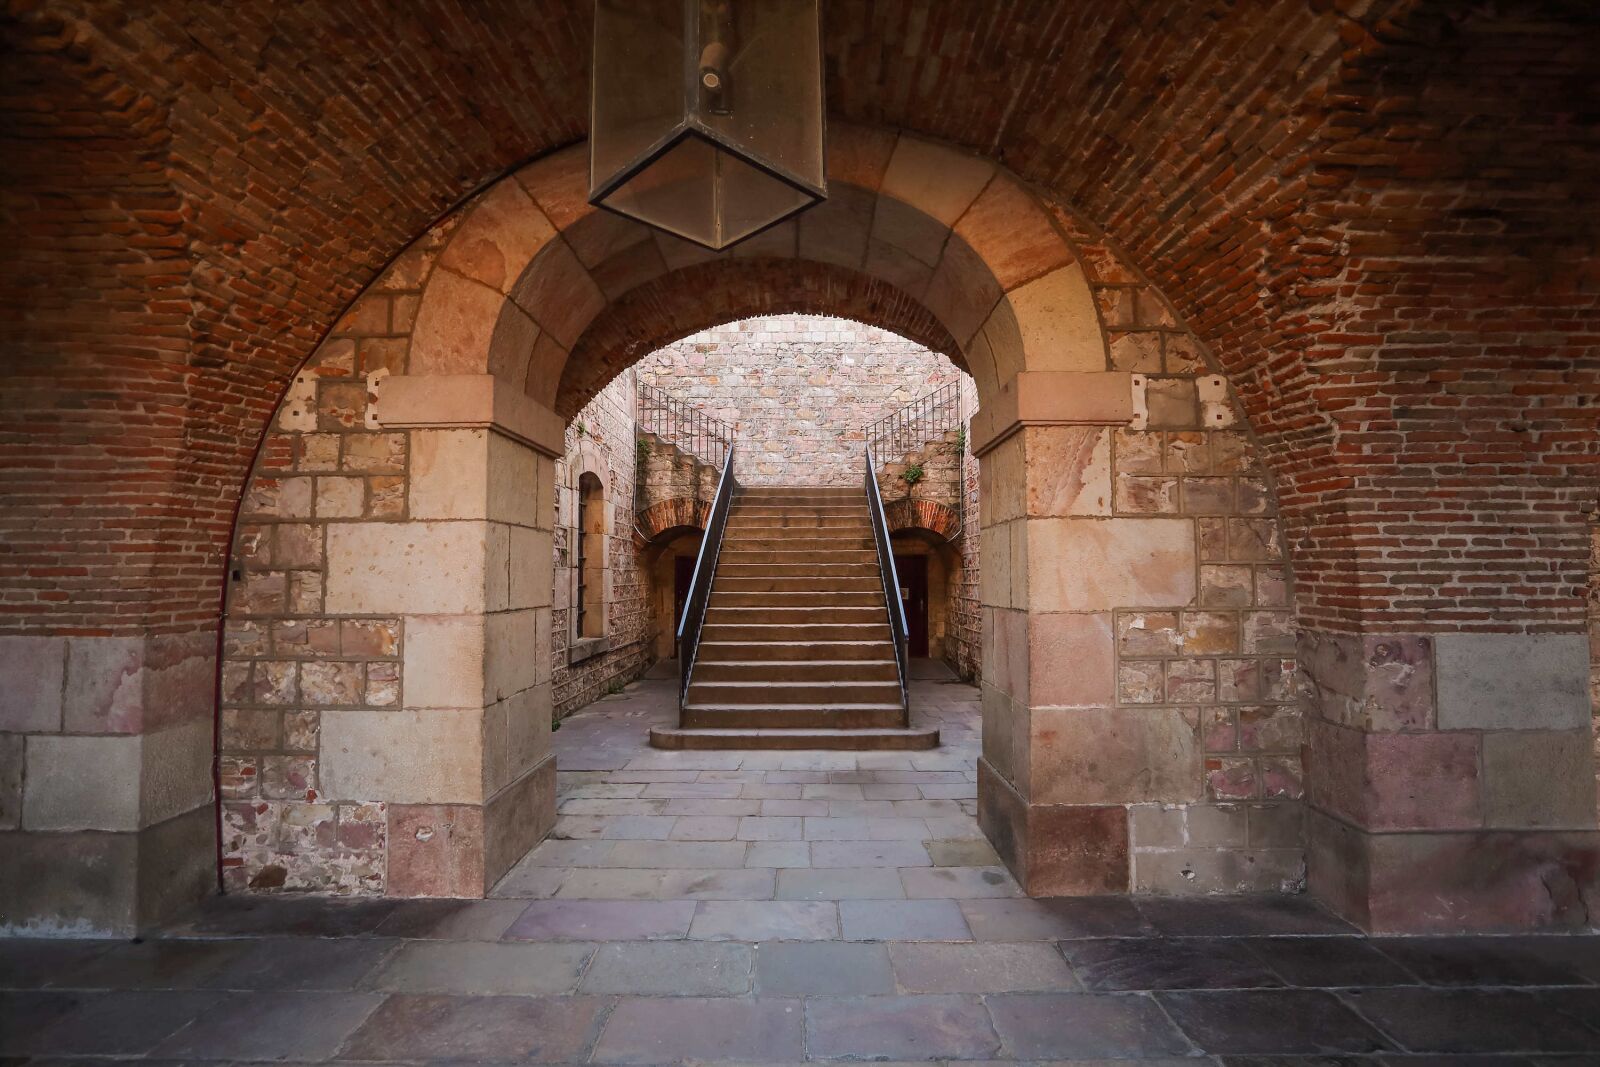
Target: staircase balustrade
[[914, 425], [684, 425], [705, 568], [891, 578]]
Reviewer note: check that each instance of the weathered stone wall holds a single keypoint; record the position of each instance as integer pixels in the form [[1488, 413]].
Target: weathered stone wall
[[800, 388], [601, 439], [288, 661], [1184, 710], [385, 722]]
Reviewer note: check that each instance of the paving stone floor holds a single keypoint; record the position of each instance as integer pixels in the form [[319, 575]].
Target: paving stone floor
[[786, 907]]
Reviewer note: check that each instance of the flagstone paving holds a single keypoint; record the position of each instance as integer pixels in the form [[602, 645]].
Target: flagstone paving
[[784, 907]]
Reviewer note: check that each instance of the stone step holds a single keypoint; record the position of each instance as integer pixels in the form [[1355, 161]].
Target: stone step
[[787, 694], [711, 668], [844, 740], [791, 651], [789, 515], [794, 717], [797, 570], [732, 616], [792, 633], [780, 524], [780, 498], [736, 556], [819, 490], [798, 584], [734, 598], [740, 541]]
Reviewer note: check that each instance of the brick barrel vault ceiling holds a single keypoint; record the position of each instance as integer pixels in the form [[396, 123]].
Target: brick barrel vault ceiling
[[193, 193]]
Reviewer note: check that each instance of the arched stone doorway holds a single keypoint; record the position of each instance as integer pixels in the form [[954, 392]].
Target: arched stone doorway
[[1131, 567]]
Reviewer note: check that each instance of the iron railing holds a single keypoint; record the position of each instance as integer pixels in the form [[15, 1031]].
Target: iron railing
[[922, 420], [684, 425], [891, 577], [705, 568]]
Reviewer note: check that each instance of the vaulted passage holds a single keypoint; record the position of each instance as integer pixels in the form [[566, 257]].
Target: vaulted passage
[[1163, 466]]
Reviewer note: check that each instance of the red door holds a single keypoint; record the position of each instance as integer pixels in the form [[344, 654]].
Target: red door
[[682, 575], [913, 574]]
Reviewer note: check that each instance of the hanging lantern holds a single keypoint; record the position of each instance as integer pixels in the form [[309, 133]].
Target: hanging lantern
[[706, 116]]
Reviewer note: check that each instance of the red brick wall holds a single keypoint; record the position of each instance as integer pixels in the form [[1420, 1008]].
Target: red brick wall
[[1369, 218]]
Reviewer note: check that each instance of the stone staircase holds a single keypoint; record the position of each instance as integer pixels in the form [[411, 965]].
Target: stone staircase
[[796, 649]]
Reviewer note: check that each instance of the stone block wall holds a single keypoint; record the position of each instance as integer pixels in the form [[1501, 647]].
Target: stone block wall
[[800, 388], [1136, 598], [105, 772], [385, 701], [602, 440]]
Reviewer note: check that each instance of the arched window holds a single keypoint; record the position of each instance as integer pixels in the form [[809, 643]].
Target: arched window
[[590, 602]]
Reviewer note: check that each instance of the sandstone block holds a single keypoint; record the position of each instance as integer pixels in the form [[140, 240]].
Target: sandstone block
[[435, 850], [934, 179], [1377, 683], [1097, 564], [34, 670], [1512, 681], [105, 681], [11, 760], [82, 783], [1114, 756], [509, 665], [406, 567], [1539, 778], [403, 757], [175, 771], [449, 474], [499, 236], [1056, 320], [1070, 660], [1068, 470], [444, 661], [1395, 781], [531, 578]]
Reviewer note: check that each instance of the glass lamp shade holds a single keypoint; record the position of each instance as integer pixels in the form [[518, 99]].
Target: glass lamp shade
[[706, 116]]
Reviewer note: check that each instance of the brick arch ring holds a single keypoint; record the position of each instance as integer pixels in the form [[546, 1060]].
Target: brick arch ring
[[674, 513], [917, 237], [939, 519]]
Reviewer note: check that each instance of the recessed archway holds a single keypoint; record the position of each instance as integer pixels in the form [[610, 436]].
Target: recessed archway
[[507, 318]]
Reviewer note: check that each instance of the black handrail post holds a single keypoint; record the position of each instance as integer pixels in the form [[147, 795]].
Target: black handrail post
[[705, 567], [891, 579]]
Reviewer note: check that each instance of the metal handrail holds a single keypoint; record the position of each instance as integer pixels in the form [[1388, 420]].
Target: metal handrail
[[918, 422], [705, 569], [684, 425], [891, 578]]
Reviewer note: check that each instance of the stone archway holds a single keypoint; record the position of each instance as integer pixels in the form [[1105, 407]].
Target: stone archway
[[504, 320]]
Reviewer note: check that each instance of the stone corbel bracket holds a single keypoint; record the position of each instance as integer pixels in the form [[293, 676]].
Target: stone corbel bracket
[[467, 401], [1059, 398]]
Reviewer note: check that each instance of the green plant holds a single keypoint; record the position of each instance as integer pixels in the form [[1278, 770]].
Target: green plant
[[616, 686], [959, 447], [912, 474], [643, 448], [581, 429]]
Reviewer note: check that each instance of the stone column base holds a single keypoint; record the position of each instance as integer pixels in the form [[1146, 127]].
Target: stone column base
[[517, 818], [462, 850], [95, 883], [1054, 850], [1455, 881]]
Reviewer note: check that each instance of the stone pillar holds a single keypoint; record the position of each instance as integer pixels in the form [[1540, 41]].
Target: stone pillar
[[465, 764], [106, 820], [1451, 780], [1061, 764]]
